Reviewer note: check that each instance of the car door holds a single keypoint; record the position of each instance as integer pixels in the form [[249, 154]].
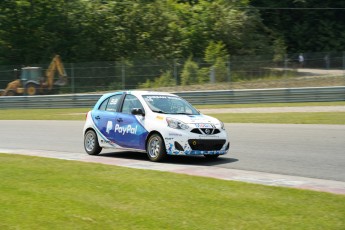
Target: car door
[[129, 129], [105, 117]]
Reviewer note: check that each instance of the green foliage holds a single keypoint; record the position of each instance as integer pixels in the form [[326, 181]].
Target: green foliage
[[279, 50], [190, 73], [214, 51], [146, 85], [165, 80], [84, 31], [336, 118], [216, 55], [311, 25], [32, 31]]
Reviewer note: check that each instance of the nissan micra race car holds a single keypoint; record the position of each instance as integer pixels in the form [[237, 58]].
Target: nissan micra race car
[[152, 122]]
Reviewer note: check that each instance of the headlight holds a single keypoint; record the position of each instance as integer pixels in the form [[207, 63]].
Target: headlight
[[176, 124], [222, 125]]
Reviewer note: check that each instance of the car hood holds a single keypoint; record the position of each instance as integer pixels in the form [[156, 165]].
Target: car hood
[[193, 119]]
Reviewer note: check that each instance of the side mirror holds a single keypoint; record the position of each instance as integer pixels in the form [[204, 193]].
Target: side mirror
[[137, 111]]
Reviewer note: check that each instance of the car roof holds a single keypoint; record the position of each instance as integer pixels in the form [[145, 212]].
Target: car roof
[[133, 92], [138, 93]]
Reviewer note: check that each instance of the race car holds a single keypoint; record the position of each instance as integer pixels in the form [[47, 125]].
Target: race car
[[157, 123]]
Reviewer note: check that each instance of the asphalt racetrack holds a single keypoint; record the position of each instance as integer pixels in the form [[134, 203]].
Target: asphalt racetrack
[[313, 151]]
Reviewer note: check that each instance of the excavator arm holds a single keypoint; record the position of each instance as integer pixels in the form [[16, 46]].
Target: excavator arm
[[55, 65]]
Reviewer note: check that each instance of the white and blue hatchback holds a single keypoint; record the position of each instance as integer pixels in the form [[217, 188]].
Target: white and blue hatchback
[[153, 122]]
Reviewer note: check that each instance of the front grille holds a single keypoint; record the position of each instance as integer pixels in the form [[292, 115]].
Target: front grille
[[206, 145], [204, 131]]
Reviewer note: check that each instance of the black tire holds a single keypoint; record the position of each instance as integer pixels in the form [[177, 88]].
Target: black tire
[[31, 89], [212, 157], [155, 148], [91, 144]]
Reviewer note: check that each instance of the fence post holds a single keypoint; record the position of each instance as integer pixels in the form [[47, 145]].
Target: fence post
[[175, 71], [123, 74], [212, 75], [229, 71], [344, 63], [285, 64], [72, 78]]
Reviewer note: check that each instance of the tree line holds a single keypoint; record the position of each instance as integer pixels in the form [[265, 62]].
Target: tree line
[[31, 31]]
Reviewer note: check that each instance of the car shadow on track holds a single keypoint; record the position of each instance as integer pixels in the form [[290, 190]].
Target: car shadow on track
[[184, 160]]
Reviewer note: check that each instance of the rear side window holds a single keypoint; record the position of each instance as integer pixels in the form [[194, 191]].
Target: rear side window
[[113, 103], [104, 104], [110, 104]]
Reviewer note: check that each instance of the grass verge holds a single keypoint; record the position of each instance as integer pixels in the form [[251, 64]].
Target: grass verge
[[282, 118], [41, 193], [292, 104], [44, 114], [335, 118]]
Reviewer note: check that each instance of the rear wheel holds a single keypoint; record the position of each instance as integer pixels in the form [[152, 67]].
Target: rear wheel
[[91, 143], [155, 148], [31, 89]]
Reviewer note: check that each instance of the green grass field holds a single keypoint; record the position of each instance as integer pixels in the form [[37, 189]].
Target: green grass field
[[336, 118], [42, 193], [283, 118], [292, 104]]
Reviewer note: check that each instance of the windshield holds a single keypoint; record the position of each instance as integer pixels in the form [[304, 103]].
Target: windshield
[[169, 105]]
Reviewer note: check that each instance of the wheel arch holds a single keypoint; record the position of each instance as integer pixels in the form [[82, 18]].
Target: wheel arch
[[91, 128], [96, 147], [32, 82], [150, 134]]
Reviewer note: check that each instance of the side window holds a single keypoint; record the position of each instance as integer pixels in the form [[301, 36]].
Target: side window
[[104, 104], [113, 103], [131, 102]]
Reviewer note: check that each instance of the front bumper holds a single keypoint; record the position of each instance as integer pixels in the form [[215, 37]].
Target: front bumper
[[197, 147]]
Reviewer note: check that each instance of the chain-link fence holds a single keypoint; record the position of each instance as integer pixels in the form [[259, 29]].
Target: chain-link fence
[[292, 70]]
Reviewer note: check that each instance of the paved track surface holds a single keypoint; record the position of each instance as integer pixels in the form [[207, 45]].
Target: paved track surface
[[257, 151]]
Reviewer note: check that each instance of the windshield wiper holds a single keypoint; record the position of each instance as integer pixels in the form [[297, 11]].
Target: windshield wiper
[[184, 113], [158, 111]]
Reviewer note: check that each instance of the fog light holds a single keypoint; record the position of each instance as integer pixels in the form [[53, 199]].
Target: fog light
[[178, 146]]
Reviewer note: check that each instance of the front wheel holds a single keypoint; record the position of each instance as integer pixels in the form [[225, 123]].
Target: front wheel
[[91, 143], [155, 148], [31, 89]]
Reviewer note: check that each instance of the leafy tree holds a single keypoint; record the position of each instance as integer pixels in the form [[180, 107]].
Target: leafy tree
[[30, 30], [216, 55], [165, 80], [190, 73], [279, 50], [311, 25]]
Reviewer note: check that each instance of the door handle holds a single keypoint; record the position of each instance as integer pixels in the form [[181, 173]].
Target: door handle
[[97, 117], [119, 119]]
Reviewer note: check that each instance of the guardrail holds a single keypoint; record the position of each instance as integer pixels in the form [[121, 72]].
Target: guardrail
[[311, 94]]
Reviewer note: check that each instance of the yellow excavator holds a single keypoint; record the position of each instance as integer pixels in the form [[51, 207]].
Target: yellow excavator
[[32, 81]]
